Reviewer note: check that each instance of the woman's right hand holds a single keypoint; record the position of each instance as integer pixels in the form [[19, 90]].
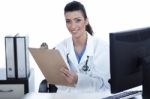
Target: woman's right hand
[[70, 76]]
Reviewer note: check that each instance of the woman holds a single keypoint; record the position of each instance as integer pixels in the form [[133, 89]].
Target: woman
[[86, 56]]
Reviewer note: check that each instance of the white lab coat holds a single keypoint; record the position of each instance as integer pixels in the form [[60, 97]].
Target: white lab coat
[[96, 79]]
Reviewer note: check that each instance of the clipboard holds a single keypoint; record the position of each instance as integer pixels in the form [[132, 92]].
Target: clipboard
[[50, 61]]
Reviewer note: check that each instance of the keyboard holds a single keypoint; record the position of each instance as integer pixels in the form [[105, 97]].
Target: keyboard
[[125, 95]]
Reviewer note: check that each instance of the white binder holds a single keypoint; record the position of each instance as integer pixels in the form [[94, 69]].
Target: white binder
[[22, 56], [10, 57]]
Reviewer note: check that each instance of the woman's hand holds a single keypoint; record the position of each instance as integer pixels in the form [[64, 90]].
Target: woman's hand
[[70, 76]]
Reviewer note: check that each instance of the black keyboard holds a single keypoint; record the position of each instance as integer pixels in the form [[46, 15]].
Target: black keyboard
[[125, 95]]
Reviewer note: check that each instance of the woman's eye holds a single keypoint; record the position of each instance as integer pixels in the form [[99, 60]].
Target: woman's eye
[[77, 20], [67, 21]]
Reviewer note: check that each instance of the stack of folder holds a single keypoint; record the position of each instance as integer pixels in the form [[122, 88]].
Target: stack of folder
[[17, 56]]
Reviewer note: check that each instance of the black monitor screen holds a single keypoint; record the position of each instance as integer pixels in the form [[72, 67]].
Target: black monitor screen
[[127, 51]]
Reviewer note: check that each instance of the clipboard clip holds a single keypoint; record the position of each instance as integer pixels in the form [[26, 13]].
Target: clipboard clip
[[44, 45]]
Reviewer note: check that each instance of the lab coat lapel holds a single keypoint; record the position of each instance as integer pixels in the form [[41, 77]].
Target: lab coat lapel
[[89, 48], [71, 52]]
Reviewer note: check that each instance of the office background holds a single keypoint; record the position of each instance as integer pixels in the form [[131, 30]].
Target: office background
[[43, 21]]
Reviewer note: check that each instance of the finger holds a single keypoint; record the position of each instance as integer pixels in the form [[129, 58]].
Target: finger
[[67, 77], [65, 72], [63, 69]]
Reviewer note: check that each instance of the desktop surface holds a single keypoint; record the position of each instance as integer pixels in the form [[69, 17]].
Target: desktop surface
[[100, 95], [65, 95]]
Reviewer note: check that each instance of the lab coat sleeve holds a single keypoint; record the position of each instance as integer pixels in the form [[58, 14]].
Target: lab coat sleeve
[[98, 79], [86, 82]]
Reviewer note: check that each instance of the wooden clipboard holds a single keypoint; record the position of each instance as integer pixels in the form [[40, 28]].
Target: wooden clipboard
[[50, 61]]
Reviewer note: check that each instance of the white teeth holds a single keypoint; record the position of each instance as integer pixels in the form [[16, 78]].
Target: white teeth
[[74, 31]]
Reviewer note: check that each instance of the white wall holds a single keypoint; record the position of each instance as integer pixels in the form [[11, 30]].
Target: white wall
[[43, 21]]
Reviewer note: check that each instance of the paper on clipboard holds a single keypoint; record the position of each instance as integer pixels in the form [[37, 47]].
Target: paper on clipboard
[[50, 61]]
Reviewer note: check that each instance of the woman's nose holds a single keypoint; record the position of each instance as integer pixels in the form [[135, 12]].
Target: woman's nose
[[73, 25]]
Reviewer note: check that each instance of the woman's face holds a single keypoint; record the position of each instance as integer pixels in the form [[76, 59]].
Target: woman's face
[[76, 23]]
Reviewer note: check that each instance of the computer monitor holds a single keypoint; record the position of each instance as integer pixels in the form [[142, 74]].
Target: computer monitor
[[128, 50]]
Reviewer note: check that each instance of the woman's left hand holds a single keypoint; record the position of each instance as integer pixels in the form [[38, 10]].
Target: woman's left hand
[[70, 76]]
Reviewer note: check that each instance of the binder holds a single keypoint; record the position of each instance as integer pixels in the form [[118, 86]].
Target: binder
[[10, 57], [22, 56]]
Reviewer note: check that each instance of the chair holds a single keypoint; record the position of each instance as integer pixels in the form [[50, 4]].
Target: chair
[[47, 88]]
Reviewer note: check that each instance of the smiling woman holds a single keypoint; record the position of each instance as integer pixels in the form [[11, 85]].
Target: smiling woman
[[85, 55]]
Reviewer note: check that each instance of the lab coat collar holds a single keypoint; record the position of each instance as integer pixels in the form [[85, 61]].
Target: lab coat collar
[[88, 52]]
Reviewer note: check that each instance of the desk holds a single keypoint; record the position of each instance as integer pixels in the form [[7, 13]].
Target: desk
[[63, 96], [67, 96], [16, 88]]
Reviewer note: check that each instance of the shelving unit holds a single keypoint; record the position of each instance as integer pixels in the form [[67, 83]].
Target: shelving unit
[[16, 88]]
